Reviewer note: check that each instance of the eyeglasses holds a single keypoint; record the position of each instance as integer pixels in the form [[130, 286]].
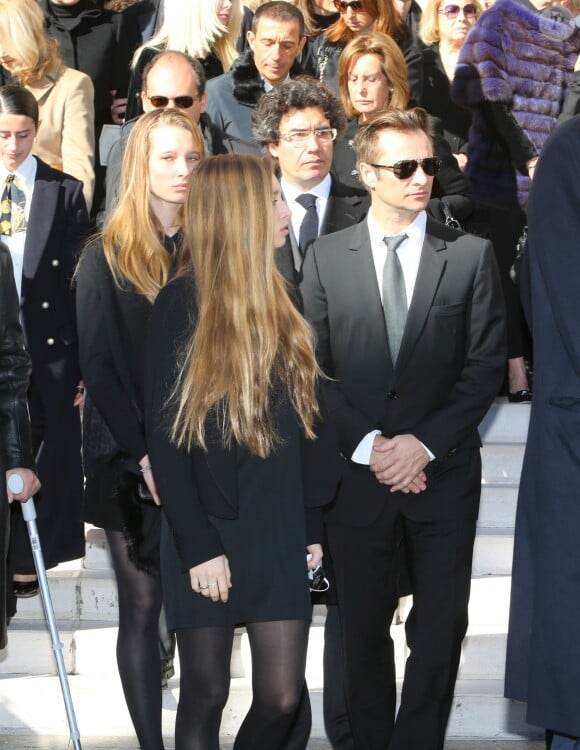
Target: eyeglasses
[[407, 167], [343, 5], [299, 138], [181, 102], [452, 11]]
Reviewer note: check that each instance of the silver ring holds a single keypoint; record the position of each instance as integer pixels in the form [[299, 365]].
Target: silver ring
[[212, 585], [203, 588]]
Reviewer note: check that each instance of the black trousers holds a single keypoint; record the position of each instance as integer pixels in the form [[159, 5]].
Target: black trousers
[[439, 555]]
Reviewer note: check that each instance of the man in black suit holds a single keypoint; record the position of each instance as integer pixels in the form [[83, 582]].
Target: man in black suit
[[410, 383], [297, 124]]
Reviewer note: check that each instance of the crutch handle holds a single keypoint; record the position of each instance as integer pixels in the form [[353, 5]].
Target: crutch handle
[[28, 510], [15, 483]]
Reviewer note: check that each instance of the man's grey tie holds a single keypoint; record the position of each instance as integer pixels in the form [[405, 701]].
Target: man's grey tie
[[309, 225], [394, 295]]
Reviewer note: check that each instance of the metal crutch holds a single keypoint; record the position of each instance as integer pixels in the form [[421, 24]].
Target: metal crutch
[[16, 485]]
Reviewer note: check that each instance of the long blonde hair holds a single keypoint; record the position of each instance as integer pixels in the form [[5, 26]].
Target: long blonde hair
[[132, 238], [249, 339], [24, 39], [195, 29]]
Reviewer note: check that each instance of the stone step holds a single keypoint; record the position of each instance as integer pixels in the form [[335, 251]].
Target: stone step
[[497, 509], [505, 422], [33, 705], [501, 464]]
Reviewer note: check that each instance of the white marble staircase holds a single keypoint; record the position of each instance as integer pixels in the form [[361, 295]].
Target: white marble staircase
[[86, 609]]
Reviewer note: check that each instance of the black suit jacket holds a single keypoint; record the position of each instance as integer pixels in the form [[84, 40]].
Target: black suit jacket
[[346, 206], [58, 225], [449, 367]]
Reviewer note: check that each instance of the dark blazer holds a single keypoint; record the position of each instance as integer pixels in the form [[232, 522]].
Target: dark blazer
[[15, 443], [449, 368], [209, 478], [58, 226], [346, 206]]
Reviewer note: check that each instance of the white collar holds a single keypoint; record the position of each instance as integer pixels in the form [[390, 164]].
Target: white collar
[[25, 173], [322, 190]]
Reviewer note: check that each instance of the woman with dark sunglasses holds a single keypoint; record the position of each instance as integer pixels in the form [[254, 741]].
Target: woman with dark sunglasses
[[443, 29], [372, 77], [358, 17]]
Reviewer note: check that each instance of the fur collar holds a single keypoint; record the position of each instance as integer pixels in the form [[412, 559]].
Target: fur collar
[[247, 83]]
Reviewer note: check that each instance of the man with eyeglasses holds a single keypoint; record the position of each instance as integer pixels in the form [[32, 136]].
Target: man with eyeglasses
[[297, 124], [170, 79], [275, 40], [410, 328]]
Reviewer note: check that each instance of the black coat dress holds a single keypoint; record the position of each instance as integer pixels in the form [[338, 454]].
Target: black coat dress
[[15, 443], [226, 501], [57, 229]]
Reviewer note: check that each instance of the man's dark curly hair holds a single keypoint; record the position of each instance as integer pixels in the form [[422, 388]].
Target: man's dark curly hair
[[299, 93]]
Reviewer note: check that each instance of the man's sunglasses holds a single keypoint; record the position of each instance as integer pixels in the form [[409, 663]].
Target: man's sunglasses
[[407, 167], [452, 11], [181, 102], [343, 5]]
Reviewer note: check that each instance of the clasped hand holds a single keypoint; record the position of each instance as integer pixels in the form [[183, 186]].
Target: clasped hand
[[399, 462], [212, 578]]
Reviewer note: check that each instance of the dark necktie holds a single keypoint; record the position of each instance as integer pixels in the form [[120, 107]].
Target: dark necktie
[[394, 295], [12, 205], [309, 226]]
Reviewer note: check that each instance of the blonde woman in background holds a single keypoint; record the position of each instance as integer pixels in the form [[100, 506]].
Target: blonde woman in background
[[65, 96], [205, 29], [443, 28]]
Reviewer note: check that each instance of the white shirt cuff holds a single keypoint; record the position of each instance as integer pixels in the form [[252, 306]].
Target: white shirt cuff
[[362, 453], [431, 455]]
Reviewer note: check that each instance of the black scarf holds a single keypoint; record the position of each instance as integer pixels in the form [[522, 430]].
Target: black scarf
[[248, 84], [65, 19]]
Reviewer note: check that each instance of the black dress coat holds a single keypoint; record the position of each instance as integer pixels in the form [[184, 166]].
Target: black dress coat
[[15, 442], [438, 102], [209, 478], [543, 651], [57, 228], [113, 322]]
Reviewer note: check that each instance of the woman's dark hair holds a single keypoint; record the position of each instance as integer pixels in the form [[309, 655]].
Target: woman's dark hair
[[16, 100]]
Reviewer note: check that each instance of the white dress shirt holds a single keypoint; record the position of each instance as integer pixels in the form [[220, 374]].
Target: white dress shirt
[[25, 174], [409, 253], [297, 212]]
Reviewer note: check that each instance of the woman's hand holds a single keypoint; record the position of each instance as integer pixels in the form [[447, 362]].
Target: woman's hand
[[316, 559], [149, 479], [213, 578]]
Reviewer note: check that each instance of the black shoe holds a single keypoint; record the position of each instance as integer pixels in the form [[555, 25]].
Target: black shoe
[[520, 397], [25, 589]]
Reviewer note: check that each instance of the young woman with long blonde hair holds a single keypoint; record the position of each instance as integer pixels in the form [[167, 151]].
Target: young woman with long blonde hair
[[119, 276], [231, 415]]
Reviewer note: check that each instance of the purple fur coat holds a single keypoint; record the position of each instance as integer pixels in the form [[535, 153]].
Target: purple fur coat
[[514, 55]]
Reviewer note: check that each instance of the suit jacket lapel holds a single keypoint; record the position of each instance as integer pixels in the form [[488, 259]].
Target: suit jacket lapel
[[42, 211], [339, 213], [429, 274]]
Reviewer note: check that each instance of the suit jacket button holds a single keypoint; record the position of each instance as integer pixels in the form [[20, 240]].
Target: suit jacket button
[[50, 341], [392, 395], [45, 305], [55, 262]]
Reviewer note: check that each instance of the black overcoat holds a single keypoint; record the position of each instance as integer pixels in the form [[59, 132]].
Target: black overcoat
[[543, 656]]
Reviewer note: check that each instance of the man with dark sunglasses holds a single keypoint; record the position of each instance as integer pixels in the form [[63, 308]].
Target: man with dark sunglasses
[[410, 328], [170, 79]]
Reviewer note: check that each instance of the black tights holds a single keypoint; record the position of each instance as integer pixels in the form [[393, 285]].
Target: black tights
[[138, 643], [278, 665]]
